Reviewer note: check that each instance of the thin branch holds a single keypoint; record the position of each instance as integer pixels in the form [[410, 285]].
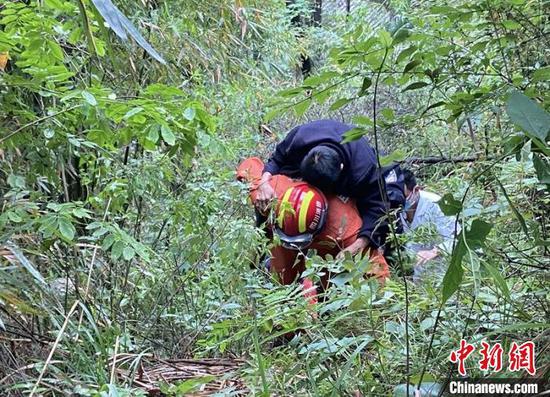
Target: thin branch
[[441, 159], [37, 121]]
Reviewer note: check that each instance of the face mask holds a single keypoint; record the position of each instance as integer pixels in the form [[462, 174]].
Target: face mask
[[411, 200]]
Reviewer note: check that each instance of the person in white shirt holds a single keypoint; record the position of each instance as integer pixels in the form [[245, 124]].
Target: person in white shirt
[[422, 211]]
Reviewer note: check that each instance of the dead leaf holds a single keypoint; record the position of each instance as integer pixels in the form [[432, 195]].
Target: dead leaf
[[4, 57]]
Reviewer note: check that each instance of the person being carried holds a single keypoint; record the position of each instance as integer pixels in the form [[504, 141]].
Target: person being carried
[[421, 210], [315, 153]]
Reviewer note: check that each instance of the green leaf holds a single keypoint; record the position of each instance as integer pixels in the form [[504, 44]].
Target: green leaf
[[14, 217], [153, 134], [272, 114], [190, 385], [415, 86], [411, 65], [16, 181], [467, 240], [514, 143], [132, 112], [354, 134], [88, 97], [167, 135], [141, 250], [66, 228], [395, 156], [313, 81], [339, 103], [107, 242], [367, 82], [385, 38], [363, 120], [542, 168], [443, 10], [433, 106], [189, 114], [290, 92], [542, 74], [501, 283], [401, 35], [301, 107], [511, 24], [449, 205], [405, 53], [528, 115], [25, 262], [517, 214], [388, 114], [128, 253], [116, 250]]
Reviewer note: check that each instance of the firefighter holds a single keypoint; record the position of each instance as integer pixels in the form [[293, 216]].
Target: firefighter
[[305, 218]]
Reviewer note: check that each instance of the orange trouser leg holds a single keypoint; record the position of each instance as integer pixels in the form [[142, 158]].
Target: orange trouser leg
[[286, 264], [380, 269]]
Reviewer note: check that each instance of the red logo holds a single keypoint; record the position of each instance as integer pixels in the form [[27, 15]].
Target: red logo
[[460, 355], [520, 357], [491, 358]]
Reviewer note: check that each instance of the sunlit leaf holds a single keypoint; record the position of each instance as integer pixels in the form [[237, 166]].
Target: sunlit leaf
[[88, 97], [341, 102], [542, 74], [354, 134], [167, 135], [301, 107], [393, 157]]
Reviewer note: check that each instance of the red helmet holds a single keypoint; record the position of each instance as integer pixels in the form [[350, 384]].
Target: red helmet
[[301, 214]]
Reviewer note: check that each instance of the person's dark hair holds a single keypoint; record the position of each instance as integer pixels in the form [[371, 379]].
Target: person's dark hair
[[410, 179], [321, 167]]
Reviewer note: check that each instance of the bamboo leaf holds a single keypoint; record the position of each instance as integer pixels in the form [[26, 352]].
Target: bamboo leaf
[[517, 214], [122, 25], [26, 263], [501, 283], [468, 240]]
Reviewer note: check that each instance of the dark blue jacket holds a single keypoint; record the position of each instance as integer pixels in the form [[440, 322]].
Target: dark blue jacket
[[361, 178]]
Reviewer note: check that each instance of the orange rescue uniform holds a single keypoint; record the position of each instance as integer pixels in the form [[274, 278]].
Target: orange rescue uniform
[[341, 228]]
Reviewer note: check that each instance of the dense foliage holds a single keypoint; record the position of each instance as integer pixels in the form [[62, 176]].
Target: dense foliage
[[123, 233]]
